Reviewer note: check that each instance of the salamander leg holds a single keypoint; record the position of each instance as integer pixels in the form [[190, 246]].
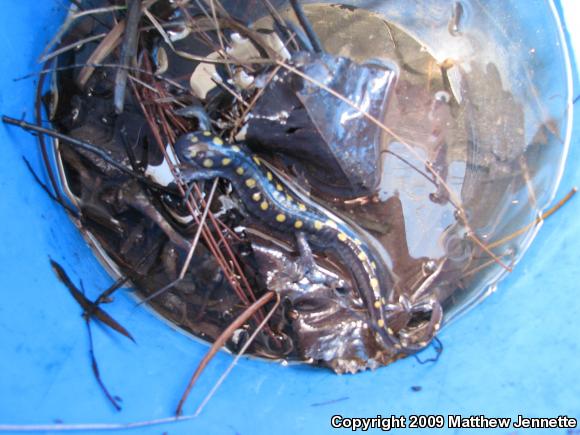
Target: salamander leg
[[306, 257], [308, 266], [415, 337], [189, 175], [195, 111]]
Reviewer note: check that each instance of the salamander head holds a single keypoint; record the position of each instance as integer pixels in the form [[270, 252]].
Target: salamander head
[[202, 150]]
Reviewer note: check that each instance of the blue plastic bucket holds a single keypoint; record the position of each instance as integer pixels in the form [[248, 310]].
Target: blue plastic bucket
[[517, 353]]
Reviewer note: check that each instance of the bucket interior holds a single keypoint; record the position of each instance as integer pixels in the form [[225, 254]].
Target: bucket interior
[[515, 353]]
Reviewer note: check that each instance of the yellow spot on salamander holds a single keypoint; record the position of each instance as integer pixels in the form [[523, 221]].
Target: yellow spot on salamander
[[342, 237], [207, 133], [279, 187], [280, 217], [358, 242], [193, 139], [374, 284], [257, 196], [192, 152], [298, 224], [377, 304], [301, 207], [207, 163], [362, 256], [240, 170], [381, 323], [269, 176], [318, 225], [226, 161], [236, 148], [331, 224], [289, 198], [217, 141], [264, 205], [373, 265], [250, 182], [256, 160]]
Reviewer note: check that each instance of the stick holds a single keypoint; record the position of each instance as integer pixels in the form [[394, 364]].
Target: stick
[[52, 196], [536, 221], [95, 366], [243, 350], [87, 147], [128, 52], [220, 342], [305, 23], [91, 310], [106, 47]]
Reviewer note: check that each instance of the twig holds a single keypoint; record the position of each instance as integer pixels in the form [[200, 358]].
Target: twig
[[90, 309], [519, 232], [219, 35], [93, 65], [198, 232], [536, 221], [148, 86], [41, 138], [71, 17], [230, 91], [128, 52], [305, 23], [87, 147], [102, 10], [279, 23], [106, 47], [194, 244], [71, 46], [44, 187], [220, 342], [106, 294], [192, 208], [95, 366], [242, 351], [482, 266], [91, 426], [412, 166], [254, 100]]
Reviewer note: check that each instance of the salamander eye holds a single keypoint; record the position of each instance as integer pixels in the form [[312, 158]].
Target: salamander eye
[[190, 152], [193, 154], [190, 146]]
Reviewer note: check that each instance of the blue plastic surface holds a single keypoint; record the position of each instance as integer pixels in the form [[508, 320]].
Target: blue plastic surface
[[517, 353]]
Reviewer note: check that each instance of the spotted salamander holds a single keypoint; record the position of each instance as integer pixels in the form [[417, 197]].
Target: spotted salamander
[[269, 200]]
